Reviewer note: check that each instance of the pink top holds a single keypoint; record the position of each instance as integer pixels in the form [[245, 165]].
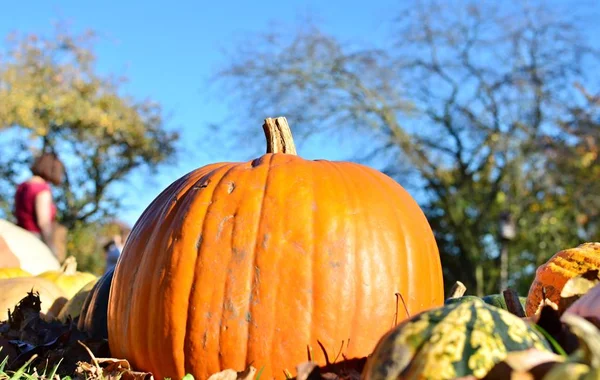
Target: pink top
[[25, 205]]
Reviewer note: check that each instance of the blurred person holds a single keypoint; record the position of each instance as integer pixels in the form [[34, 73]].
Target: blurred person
[[34, 206], [115, 246]]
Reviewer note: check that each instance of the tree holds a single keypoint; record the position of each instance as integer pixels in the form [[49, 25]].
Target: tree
[[575, 154], [52, 98], [453, 108]]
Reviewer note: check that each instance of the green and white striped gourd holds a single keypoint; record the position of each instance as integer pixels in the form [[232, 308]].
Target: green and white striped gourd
[[458, 339]]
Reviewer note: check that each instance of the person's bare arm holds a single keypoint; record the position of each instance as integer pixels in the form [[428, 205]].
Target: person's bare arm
[[43, 202]]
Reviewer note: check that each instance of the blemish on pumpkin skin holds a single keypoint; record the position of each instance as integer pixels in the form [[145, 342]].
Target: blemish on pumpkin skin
[[254, 300], [199, 242], [265, 241], [239, 254], [248, 317], [229, 306], [230, 187], [204, 339], [220, 228]]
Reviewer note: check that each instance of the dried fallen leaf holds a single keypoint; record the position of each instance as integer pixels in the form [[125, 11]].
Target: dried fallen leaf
[[568, 371], [112, 364], [527, 359], [589, 338], [576, 287], [133, 375], [231, 374], [347, 369], [588, 305], [308, 371], [89, 371], [108, 368], [522, 365]]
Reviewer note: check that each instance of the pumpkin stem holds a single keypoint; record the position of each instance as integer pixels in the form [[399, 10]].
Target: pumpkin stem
[[458, 290], [279, 136], [513, 304], [69, 266]]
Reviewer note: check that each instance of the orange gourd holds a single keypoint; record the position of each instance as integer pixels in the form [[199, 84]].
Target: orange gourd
[[248, 263], [551, 277]]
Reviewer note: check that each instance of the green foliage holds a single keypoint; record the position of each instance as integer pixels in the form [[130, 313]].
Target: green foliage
[[84, 242]]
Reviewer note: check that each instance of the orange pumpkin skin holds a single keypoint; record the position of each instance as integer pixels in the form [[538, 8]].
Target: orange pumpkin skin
[[551, 277], [248, 263]]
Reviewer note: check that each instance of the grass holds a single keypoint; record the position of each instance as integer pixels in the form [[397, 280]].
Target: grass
[[24, 371]]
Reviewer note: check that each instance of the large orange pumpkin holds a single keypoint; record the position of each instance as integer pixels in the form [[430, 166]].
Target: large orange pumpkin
[[248, 263], [551, 277]]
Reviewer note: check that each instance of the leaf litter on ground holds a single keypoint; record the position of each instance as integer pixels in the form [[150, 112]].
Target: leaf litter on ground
[[28, 339]]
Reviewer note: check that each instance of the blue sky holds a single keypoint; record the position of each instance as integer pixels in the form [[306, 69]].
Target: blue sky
[[169, 50]]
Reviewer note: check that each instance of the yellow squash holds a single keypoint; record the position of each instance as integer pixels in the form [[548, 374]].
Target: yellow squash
[[13, 273], [68, 278], [13, 290]]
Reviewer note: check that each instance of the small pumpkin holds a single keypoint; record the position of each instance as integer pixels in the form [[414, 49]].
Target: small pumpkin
[[13, 290], [73, 307], [68, 278], [551, 277], [94, 310], [456, 340], [13, 272], [240, 263]]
